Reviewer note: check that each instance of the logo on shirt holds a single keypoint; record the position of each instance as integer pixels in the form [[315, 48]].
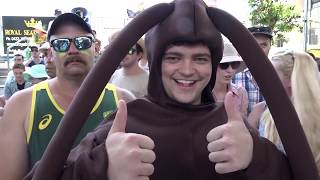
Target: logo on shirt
[[106, 113], [46, 120]]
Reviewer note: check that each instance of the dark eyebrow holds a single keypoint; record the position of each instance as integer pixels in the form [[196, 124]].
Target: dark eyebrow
[[180, 54], [172, 53], [202, 55], [264, 43]]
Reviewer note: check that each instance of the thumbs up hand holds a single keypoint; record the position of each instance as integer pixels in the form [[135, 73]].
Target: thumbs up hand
[[230, 145], [130, 155]]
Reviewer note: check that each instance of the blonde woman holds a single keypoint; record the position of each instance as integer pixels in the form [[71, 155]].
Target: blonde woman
[[299, 75], [230, 64]]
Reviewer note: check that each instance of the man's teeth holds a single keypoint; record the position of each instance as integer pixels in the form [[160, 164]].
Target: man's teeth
[[185, 81]]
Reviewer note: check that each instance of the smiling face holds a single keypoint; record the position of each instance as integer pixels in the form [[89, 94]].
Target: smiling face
[[186, 71], [73, 63]]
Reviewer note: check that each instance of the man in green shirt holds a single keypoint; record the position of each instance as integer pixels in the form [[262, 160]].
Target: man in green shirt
[[27, 126]]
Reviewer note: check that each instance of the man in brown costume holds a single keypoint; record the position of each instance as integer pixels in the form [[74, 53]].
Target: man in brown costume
[[169, 137]]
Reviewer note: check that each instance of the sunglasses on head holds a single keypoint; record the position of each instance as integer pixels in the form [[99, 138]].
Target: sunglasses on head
[[260, 29], [234, 65], [132, 51], [63, 44]]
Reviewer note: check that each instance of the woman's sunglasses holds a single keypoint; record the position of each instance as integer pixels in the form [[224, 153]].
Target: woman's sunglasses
[[132, 51], [63, 44], [234, 65]]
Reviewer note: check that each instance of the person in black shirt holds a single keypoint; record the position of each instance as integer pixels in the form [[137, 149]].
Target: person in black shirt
[[17, 83]]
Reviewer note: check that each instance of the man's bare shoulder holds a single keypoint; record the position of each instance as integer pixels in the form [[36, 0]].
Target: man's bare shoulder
[[13, 135], [124, 94], [18, 106]]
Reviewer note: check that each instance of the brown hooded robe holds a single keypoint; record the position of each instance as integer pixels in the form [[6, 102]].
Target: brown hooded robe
[[178, 130]]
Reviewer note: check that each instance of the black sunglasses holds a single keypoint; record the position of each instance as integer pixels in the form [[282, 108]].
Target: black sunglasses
[[63, 44], [234, 65], [132, 51]]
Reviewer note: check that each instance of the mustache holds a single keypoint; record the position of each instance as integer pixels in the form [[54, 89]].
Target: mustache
[[74, 58]]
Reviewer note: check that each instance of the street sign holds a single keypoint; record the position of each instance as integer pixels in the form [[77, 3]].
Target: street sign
[[21, 29]]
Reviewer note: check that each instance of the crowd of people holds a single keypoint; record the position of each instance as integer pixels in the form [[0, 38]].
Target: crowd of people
[[190, 101]]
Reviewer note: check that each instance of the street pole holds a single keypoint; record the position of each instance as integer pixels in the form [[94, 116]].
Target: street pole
[[305, 24]]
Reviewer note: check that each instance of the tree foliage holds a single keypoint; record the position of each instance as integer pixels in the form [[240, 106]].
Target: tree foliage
[[278, 15]]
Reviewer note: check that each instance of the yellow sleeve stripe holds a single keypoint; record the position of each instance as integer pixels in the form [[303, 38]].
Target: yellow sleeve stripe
[[53, 101], [36, 88], [98, 102], [110, 87], [113, 88]]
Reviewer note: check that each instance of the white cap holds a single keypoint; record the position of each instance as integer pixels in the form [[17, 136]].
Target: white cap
[[230, 54]]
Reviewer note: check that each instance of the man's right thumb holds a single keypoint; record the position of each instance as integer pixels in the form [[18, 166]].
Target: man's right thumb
[[120, 121]]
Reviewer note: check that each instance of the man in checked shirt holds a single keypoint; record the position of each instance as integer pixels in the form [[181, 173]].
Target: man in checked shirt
[[263, 35]]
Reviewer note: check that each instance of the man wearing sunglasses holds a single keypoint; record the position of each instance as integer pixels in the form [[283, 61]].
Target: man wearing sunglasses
[[24, 135], [263, 35], [131, 76]]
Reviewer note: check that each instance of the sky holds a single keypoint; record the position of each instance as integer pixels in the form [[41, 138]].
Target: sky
[[101, 8], [110, 15]]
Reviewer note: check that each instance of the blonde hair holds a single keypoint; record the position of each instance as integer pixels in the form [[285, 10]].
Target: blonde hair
[[305, 86]]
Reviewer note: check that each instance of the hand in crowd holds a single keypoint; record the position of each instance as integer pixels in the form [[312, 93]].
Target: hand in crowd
[[130, 155], [230, 145]]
